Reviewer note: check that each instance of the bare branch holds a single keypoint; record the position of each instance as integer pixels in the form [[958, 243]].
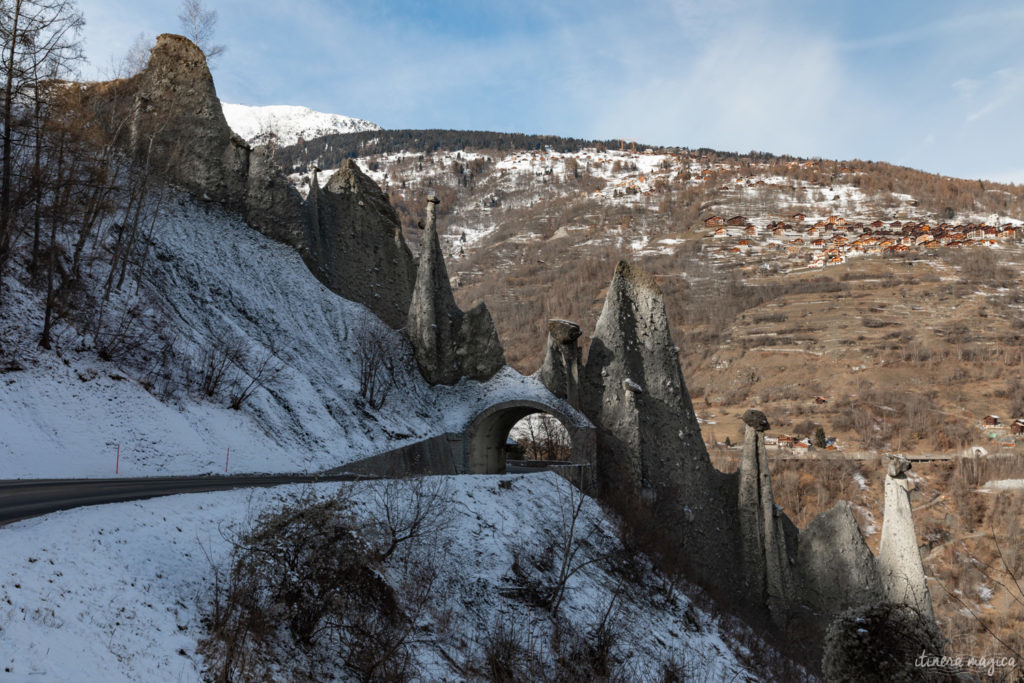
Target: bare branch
[[198, 24]]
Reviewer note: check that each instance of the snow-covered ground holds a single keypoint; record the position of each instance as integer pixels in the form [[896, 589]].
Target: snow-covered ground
[[286, 123], [116, 592], [211, 277]]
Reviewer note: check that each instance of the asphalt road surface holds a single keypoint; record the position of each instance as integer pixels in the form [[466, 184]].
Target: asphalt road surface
[[21, 498]]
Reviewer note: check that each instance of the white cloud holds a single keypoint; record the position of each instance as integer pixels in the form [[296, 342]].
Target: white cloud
[[760, 90], [938, 29], [999, 89]]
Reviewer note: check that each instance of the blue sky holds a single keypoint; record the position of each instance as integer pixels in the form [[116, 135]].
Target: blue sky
[[935, 85]]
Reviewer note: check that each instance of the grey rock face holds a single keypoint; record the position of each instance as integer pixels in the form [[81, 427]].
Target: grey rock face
[[836, 569], [563, 361], [898, 466], [757, 420], [272, 205], [448, 344], [650, 449], [479, 350], [899, 560], [348, 234], [178, 120], [653, 437], [763, 536], [355, 244], [176, 110]]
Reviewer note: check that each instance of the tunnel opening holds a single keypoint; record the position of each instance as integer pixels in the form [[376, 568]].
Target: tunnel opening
[[540, 434], [537, 439]]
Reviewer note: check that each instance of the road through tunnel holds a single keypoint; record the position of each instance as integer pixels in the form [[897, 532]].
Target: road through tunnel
[[487, 434]]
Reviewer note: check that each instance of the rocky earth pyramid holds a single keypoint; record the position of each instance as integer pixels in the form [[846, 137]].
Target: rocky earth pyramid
[[563, 362], [835, 566], [763, 535], [176, 113], [899, 560], [725, 528], [355, 243], [650, 453], [348, 234], [448, 344]]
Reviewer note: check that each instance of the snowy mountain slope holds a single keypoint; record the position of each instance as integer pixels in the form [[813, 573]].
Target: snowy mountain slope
[[212, 281], [286, 124], [586, 196], [116, 591]]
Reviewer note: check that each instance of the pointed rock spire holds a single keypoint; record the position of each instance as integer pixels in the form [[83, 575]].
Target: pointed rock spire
[[762, 533], [835, 567], [356, 245], [652, 438], [448, 344], [563, 362], [179, 123], [899, 560], [651, 459], [348, 234]]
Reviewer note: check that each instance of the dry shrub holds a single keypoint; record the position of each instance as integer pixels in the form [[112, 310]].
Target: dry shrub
[[897, 418], [309, 580], [786, 489], [1007, 520], [880, 643], [586, 656], [805, 488], [509, 652], [308, 569], [381, 356]]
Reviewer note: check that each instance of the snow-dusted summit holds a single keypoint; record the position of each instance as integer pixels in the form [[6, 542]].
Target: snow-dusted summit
[[288, 123]]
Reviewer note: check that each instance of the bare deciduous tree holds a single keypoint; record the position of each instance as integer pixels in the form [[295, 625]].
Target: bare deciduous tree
[[198, 23], [545, 438], [569, 542], [259, 369], [224, 352], [412, 510], [135, 59], [38, 42], [378, 351]]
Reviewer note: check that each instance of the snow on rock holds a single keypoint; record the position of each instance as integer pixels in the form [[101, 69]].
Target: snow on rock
[[212, 278], [287, 124], [116, 592]]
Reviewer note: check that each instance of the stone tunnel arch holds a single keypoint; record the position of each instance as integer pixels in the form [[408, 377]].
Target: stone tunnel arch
[[486, 433]]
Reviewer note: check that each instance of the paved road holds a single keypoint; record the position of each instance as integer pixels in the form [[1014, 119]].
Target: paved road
[[21, 498]]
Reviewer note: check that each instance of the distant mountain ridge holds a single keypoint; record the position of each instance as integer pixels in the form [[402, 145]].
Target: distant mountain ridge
[[287, 124], [330, 150]]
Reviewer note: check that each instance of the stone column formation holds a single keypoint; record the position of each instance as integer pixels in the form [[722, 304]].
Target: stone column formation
[[634, 391], [899, 560], [348, 234], [763, 538], [355, 243], [563, 362], [651, 459], [448, 344]]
